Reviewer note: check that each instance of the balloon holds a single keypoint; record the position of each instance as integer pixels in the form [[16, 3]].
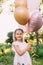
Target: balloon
[[21, 15], [35, 22], [21, 3], [42, 19], [32, 5]]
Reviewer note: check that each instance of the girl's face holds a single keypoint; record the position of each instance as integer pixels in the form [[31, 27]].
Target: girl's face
[[19, 35]]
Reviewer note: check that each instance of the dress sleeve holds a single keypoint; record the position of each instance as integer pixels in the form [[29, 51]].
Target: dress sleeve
[[13, 46], [14, 43]]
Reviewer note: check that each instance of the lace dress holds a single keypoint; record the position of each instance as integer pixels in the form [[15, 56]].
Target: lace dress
[[25, 58]]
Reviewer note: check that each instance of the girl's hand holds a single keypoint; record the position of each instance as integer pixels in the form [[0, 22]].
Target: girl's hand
[[29, 48]]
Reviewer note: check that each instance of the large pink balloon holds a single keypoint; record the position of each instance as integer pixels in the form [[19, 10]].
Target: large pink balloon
[[42, 19], [35, 22]]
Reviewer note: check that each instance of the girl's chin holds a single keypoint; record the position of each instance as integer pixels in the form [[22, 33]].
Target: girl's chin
[[19, 39]]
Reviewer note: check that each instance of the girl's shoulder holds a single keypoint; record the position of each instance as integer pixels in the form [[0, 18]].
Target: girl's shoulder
[[25, 44]]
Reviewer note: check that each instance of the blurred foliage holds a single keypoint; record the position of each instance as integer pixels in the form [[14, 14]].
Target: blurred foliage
[[6, 58], [40, 50], [32, 38], [37, 57], [40, 8], [10, 37], [2, 1], [11, 5]]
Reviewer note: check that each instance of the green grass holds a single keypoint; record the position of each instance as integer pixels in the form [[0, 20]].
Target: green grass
[[38, 61], [7, 59]]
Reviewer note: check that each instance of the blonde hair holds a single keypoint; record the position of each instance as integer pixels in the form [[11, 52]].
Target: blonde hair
[[14, 33]]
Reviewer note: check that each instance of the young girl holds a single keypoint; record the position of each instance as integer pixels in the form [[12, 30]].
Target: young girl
[[22, 56]]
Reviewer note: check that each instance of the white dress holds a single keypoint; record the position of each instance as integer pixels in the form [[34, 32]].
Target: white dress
[[25, 58]]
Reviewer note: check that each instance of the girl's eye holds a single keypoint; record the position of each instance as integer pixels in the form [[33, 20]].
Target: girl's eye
[[17, 33], [20, 33]]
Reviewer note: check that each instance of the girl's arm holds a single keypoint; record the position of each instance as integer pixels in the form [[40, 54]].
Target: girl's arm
[[20, 52]]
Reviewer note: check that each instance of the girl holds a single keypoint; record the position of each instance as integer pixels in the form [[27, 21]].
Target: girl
[[22, 56]]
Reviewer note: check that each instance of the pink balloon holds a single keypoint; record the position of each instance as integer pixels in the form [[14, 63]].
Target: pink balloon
[[35, 22], [42, 20]]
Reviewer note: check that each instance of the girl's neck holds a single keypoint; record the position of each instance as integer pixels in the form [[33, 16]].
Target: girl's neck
[[20, 40]]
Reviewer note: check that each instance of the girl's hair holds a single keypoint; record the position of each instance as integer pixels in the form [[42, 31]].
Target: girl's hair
[[14, 38]]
